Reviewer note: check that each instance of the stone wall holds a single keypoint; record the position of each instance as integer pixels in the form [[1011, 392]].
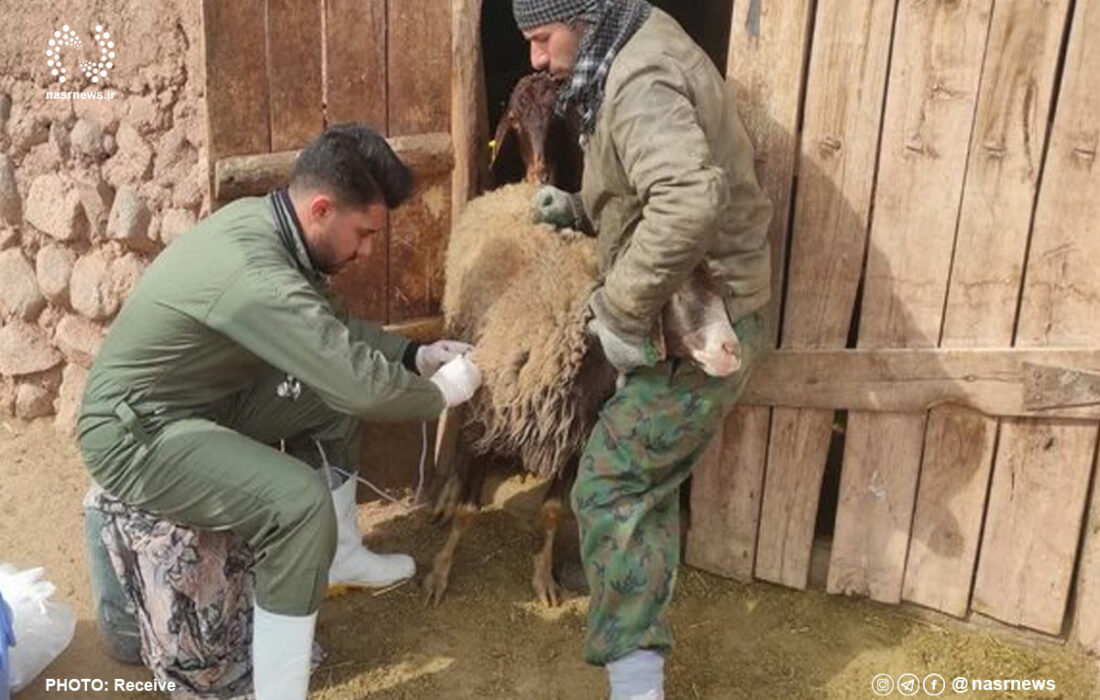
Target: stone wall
[[90, 190]]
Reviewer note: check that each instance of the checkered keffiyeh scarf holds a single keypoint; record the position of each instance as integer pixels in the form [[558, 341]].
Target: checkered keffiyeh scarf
[[611, 23], [536, 13]]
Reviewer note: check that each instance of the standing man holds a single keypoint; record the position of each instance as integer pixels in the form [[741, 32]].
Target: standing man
[[668, 185], [230, 345]]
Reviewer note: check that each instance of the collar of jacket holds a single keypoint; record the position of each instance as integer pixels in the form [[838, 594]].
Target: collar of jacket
[[290, 231]]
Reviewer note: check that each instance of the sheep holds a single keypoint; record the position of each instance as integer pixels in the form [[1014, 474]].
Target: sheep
[[518, 292], [544, 144]]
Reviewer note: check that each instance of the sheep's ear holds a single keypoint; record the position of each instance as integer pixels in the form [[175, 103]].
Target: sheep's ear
[[504, 133]]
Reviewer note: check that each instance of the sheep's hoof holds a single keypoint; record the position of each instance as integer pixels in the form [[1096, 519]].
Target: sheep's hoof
[[547, 590], [434, 586], [444, 508], [435, 583]]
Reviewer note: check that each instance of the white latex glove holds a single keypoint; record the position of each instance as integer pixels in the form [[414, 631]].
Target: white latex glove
[[458, 380], [429, 358]]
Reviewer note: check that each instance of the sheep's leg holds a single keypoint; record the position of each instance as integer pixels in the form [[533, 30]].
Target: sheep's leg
[[446, 448], [471, 477], [437, 580], [542, 578], [446, 439], [547, 589], [445, 503]]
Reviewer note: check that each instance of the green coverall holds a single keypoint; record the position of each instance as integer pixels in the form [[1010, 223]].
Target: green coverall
[[227, 346]]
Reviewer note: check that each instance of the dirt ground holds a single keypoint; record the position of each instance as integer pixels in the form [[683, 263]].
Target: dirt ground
[[489, 640]]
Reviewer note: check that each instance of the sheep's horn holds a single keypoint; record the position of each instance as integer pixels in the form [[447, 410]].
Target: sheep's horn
[[504, 130]]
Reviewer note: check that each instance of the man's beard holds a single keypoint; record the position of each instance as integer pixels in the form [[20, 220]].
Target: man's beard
[[324, 258]]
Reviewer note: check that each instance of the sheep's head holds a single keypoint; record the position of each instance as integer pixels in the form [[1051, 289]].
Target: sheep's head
[[697, 328], [547, 143]]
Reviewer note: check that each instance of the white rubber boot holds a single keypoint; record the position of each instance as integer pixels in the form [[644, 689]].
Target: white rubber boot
[[282, 647], [640, 675], [353, 565]]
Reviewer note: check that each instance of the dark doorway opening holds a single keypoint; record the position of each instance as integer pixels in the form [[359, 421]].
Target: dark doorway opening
[[507, 56]]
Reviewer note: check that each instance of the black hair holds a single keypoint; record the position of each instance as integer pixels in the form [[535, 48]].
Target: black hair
[[355, 164]]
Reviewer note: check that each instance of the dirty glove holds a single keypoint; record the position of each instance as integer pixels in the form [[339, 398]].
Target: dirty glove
[[623, 354], [557, 207], [457, 380], [429, 358]]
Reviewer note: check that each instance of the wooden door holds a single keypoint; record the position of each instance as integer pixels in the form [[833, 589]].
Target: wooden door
[[279, 71]]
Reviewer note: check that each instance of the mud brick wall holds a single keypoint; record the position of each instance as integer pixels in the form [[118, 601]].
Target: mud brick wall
[[90, 190]]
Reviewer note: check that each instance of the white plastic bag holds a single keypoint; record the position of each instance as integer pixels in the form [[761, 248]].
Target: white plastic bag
[[7, 638], [42, 627]]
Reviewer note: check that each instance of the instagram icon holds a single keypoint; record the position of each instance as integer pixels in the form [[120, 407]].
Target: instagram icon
[[882, 684]]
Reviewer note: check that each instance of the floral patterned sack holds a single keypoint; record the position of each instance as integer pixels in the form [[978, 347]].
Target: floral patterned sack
[[191, 592]]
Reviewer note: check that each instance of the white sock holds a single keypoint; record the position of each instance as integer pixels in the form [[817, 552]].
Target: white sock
[[638, 675]]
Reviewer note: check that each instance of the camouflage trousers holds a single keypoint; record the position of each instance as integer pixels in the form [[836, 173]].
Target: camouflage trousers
[[649, 437]]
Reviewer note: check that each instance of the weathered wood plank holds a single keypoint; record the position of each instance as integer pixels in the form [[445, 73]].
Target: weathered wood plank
[[951, 498], [294, 72], [418, 243], [994, 223], [1033, 525], [355, 58], [469, 108], [250, 175], [724, 503], [419, 67], [427, 155], [1003, 172], [418, 77], [1061, 297], [355, 91], [933, 87], [238, 119], [875, 507], [419, 102], [1086, 621], [844, 94], [768, 44], [935, 70], [1042, 470], [792, 489], [993, 381]]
